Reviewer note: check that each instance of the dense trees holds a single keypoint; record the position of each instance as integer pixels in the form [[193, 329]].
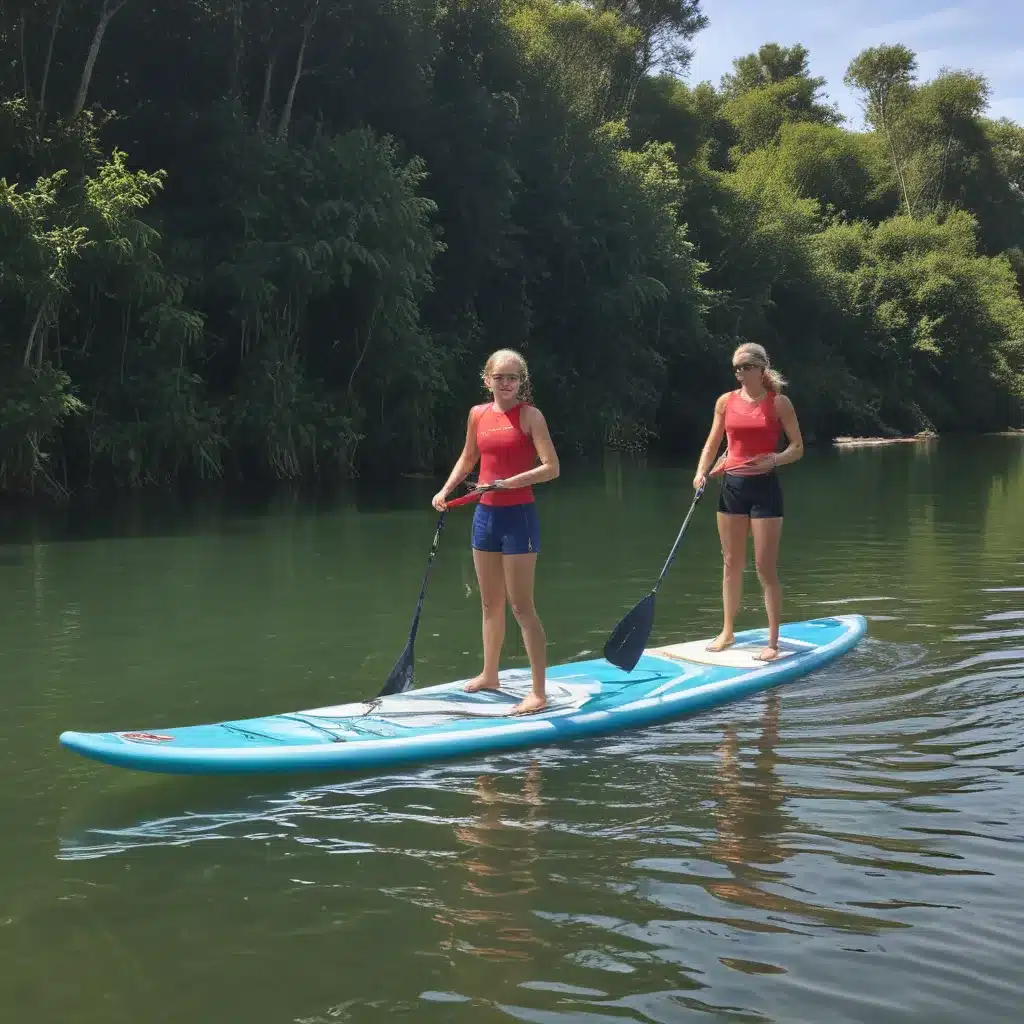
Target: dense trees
[[277, 239]]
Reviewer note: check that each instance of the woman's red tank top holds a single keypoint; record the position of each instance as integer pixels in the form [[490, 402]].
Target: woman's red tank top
[[751, 428], [505, 450]]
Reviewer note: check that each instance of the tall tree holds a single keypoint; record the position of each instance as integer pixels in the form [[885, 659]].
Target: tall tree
[[884, 76], [666, 30]]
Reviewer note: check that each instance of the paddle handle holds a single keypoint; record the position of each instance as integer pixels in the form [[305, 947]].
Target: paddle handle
[[467, 498]]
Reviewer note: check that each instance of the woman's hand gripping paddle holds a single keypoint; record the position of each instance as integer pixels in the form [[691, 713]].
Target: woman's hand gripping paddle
[[401, 676], [629, 638]]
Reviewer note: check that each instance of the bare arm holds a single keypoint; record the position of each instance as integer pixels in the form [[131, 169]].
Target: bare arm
[[537, 427], [787, 417], [466, 461], [714, 441]]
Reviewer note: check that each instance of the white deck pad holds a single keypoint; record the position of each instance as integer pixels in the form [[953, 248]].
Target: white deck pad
[[737, 656]]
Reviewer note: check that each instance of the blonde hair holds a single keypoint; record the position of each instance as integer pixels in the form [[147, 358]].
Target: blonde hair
[[525, 391], [772, 379]]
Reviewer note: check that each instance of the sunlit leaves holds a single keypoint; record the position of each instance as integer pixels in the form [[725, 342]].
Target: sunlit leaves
[[943, 321]]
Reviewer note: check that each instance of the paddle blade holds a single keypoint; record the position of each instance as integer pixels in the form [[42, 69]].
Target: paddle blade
[[629, 637], [401, 677]]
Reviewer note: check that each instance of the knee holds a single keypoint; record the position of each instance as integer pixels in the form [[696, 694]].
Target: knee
[[524, 611], [767, 573], [492, 605], [732, 562]]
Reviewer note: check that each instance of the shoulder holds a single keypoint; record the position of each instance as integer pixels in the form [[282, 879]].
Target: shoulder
[[722, 401], [782, 403], [532, 422], [529, 414], [476, 413]]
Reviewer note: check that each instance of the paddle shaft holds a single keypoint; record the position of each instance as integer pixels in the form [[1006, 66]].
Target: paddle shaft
[[679, 538], [454, 503], [625, 646], [400, 677]]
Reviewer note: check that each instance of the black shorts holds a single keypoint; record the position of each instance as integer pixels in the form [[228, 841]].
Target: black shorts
[[759, 497]]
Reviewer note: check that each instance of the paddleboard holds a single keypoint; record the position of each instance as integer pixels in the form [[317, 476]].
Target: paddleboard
[[585, 698]]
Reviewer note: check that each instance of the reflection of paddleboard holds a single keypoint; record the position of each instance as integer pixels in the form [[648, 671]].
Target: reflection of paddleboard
[[585, 698]]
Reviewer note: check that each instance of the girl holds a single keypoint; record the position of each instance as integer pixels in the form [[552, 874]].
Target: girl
[[508, 435], [752, 418]]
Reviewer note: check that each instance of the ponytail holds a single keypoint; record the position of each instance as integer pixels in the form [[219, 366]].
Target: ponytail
[[773, 380]]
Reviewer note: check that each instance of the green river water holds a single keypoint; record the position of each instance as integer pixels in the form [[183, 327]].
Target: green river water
[[846, 848]]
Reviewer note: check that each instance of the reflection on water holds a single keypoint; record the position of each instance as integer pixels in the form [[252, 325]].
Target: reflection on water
[[487, 915], [749, 813]]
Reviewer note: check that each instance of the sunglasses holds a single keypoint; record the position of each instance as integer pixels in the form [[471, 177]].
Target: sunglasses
[[747, 366]]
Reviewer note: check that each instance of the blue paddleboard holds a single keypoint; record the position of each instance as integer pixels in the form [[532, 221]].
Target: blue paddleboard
[[585, 698]]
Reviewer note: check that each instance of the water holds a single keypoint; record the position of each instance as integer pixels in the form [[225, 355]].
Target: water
[[847, 848]]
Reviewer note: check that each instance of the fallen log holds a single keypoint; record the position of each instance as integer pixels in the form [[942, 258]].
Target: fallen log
[[870, 442]]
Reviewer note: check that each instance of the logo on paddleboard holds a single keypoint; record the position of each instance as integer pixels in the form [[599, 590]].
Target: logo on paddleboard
[[146, 737]]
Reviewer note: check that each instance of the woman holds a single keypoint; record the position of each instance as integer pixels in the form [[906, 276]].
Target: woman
[[507, 434], [752, 418]]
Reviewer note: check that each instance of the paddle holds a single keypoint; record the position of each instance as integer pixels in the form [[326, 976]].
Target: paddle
[[401, 676], [629, 638]]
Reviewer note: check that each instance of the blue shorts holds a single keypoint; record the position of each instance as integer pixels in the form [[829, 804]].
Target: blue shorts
[[510, 529]]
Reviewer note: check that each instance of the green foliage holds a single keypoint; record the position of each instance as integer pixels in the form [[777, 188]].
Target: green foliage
[[326, 256], [940, 327], [758, 115], [768, 90], [278, 241], [34, 403], [586, 57], [820, 162], [664, 29], [771, 65], [627, 287]]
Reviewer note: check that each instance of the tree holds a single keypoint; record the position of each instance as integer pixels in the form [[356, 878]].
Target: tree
[[884, 74], [665, 29]]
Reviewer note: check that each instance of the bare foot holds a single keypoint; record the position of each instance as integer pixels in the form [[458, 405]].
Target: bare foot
[[720, 642], [530, 703], [481, 683], [768, 654]]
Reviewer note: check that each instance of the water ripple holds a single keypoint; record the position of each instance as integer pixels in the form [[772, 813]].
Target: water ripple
[[792, 857]]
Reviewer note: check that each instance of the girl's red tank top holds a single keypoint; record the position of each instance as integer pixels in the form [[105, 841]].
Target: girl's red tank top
[[505, 450], [751, 428]]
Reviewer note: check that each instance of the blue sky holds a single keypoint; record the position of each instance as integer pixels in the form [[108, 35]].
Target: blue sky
[[982, 36]]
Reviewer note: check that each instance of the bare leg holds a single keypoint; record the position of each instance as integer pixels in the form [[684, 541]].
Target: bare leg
[[492, 601], [732, 532], [520, 571], [767, 535]]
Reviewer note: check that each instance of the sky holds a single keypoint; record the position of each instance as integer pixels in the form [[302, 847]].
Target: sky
[[982, 36]]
